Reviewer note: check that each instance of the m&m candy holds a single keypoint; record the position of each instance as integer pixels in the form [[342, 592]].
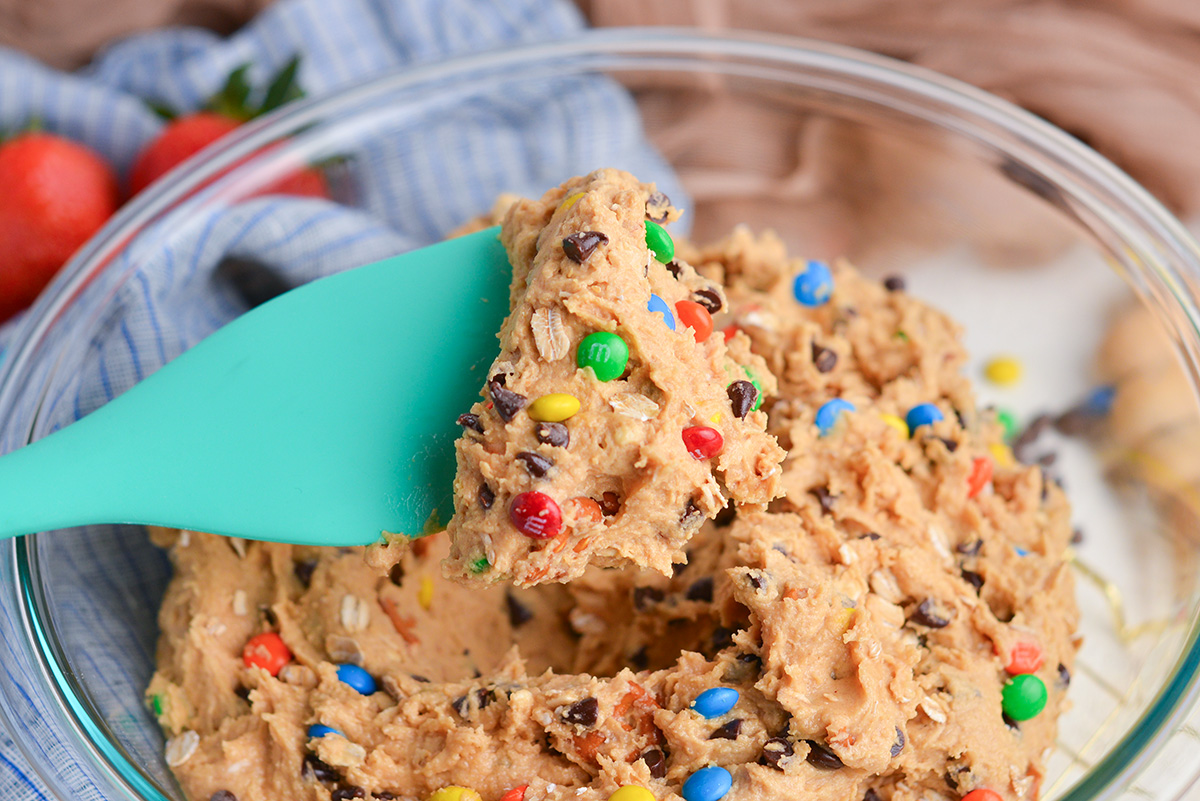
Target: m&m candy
[[896, 423], [553, 408], [357, 678], [715, 702], [830, 411], [922, 414], [695, 317], [604, 352], [982, 794], [1023, 697], [515, 794], [536, 515], [707, 784], [981, 474], [659, 306], [632, 792], [454, 793], [1025, 657], [659, 242], [266, 651], [813, 286], [1003, 371], [319, 730], [702, 442]]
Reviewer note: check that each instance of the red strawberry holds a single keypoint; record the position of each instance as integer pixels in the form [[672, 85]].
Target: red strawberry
[[189, 134], [56, 195]]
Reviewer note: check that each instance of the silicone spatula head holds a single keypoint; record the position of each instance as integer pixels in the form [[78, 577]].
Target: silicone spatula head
[[323, 417]]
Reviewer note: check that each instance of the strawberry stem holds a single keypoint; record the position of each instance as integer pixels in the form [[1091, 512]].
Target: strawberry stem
[[283, 87]]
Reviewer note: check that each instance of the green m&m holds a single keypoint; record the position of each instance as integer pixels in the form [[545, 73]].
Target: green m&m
[[1023, 697], [604, 352], [659, 242]]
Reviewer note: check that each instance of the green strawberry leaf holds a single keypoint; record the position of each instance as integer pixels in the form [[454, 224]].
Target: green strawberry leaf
[[162, 109], [231, 100], [283, 87]]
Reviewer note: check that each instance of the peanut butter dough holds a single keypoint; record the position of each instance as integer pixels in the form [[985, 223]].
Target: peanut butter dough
[[865, 616], [621, 484]]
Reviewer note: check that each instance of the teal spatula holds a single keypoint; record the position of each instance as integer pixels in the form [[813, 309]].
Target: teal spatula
[[325, 416]]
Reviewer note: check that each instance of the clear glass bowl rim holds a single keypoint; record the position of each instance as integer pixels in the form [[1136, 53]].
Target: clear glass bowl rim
[[1154, 249]]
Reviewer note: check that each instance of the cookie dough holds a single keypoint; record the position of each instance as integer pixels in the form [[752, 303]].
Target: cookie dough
[[615, 422], [869, 621]]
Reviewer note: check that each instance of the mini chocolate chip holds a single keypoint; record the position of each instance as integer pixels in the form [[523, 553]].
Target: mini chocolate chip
[[346, 793], [553, 434], [756, 580], [243, 692], [396, 574], [304, 571], [583, 713], [1064, 675], [656, 207], [609, 503], [673, 268], [486, 496], [1077, 536], [319, 770], [722, 638], [656, 761], [729, 731], [751, 659], [969, 548], [471, 421], [484, 697], [645, 596], [580, 246], [824, 497], [824, 359], [518, 613], [384, 795], [870, 535], [819, 756], [710, 299], [871, 795], [537, 465], [507, 402], [742, 396], [951, 444], [639, 659], [974, 579], [691, 516], [898, 746], [701, 590], [462, 706], [894, 283], [951, 781], [222, 795], [774, 751], [928, 614], [420, 678]]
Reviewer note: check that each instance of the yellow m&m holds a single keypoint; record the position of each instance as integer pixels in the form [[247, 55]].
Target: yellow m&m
[[554, 408]]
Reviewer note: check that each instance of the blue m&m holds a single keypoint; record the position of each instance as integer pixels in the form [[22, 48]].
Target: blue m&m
[[357, 678], [715, 702], [813, 286], [707, 784], [319, 730], [830, 411], [659, 306], [922, 414]]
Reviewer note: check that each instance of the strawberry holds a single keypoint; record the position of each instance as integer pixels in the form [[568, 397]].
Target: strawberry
[[57, 193], [188, 134]]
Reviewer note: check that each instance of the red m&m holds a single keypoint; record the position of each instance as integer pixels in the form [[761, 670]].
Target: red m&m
[[536, 515], [981, 474], [702, 442], [695, 317], [1026, 657]]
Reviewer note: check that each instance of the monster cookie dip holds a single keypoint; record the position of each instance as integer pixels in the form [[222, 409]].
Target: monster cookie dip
[[896, 624], [615, 422]]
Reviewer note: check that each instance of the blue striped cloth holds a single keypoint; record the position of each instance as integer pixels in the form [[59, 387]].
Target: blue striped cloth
[[412, 187]]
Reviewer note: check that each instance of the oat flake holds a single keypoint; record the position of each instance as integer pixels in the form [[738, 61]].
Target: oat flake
[[181, 747]]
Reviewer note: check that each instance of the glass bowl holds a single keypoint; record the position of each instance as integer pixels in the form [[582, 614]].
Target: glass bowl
[[1012, 226]]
